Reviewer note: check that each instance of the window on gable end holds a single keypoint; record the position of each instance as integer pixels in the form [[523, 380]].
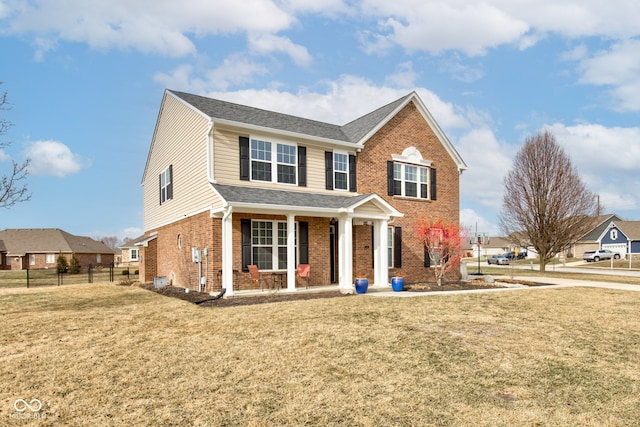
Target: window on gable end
[[166, 184]]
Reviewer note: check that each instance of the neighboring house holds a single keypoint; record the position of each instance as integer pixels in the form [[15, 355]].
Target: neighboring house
[[130, 252], [590, 241], [33, 248], [495, 246], [622, 237], [230, 185]]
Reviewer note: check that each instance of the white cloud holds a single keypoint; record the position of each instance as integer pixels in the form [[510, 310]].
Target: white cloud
[[472, 27], [607, 159], [4, 156], [157, 26], [53, 158], [470, 219], [268, 43], [618, 68], [405, 76], [489, 160]]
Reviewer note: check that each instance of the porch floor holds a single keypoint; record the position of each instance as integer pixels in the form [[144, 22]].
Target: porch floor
[[298, 291]]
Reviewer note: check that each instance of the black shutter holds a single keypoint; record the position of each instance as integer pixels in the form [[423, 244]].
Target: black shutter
[[397, 247], [433, 183], [390, 191], [352, 173], [170, 183], [303, 242], [245, 226], [245, 166], [302, 167], [328, 166], [160, 186], [427, 258]]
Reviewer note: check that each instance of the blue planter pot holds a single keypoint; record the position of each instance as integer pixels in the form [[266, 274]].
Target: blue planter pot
[[397, 284], [362, 285]]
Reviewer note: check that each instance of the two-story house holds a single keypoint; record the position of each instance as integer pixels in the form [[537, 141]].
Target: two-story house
[[227, 185]]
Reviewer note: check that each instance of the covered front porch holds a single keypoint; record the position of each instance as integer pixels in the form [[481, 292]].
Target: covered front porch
[[255, 230]]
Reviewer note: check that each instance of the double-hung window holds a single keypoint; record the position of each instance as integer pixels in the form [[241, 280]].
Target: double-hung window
[[50, 258], [390, 247], [166, 185], [268, 156], [340, 171], [269, 244], [133, 255], [410, 181]]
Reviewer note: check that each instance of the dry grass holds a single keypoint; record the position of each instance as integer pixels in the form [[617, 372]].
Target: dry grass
[[112, 355]]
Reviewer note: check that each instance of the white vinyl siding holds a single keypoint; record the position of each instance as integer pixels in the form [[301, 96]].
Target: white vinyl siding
[[180, 140]]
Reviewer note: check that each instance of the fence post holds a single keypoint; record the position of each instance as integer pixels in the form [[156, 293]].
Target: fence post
[[111, 266], [27, 276], [90, 274]]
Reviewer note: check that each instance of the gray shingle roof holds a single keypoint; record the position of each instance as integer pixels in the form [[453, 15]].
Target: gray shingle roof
[[49, 240], [267, 197], [631, 229], [351, 132]]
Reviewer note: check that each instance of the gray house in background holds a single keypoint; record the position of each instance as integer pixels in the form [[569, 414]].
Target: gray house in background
[[32, 248]]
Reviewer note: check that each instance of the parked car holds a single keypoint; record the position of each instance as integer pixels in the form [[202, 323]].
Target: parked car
[[512, 255], [599, 254], [498, 260]]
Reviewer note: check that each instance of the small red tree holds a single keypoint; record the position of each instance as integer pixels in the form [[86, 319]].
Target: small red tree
[[442, 241]]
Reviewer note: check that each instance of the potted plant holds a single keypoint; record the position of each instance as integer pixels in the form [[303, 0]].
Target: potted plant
[[362, 284], [397, 283]]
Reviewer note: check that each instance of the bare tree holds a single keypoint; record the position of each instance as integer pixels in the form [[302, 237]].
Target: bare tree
[[12, 189], [545, 203], [111, 241]]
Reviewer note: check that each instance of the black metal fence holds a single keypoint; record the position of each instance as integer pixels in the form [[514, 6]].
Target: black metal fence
[[52, 277]]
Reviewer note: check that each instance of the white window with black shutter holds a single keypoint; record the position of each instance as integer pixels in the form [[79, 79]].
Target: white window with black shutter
[[267, 160], [340, 171], [264, 243]]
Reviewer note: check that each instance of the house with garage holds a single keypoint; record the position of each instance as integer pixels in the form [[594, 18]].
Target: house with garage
[[591, 240], [129, 252], [226, 186], [33, 248], [622, 237]]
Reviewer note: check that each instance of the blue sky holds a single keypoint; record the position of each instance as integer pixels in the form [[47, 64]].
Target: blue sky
[[85, 79]]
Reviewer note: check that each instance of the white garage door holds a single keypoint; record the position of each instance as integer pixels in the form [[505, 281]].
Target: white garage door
[[620, 248]]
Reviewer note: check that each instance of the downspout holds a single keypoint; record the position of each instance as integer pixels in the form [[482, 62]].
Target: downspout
[[228, 212]]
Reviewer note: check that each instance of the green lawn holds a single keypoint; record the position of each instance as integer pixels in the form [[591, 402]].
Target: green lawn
[[114, 355]]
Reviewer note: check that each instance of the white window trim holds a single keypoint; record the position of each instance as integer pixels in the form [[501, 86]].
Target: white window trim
[[345, 172], [274, 159], [390, 246], [131, 252], [163, 187], [418, 183], [46, 258], [274, 242]]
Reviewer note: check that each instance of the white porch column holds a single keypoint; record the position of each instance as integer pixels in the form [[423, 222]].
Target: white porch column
[[227, 252], [380, 256], [291, 252], [346, 251]]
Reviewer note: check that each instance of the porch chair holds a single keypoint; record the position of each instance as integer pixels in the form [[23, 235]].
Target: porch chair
[[304, 270], [256, 276]]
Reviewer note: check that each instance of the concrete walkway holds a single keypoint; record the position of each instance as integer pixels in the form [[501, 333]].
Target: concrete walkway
[[554, 283]]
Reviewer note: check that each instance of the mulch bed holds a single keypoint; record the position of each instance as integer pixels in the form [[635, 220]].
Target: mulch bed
[[199, 297]]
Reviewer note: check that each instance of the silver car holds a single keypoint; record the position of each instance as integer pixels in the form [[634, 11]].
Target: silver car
[[498, 260], [599, 254]]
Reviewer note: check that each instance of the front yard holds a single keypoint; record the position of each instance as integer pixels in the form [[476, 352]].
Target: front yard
[[112, 355]]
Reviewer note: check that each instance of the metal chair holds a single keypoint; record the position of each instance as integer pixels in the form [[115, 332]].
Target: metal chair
[[256, 276], [304, 270]]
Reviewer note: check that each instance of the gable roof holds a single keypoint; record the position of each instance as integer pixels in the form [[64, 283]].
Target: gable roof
[[262, 199], [132, 243], [601, 223], [356, 132], [48, 240], [631, 229]]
